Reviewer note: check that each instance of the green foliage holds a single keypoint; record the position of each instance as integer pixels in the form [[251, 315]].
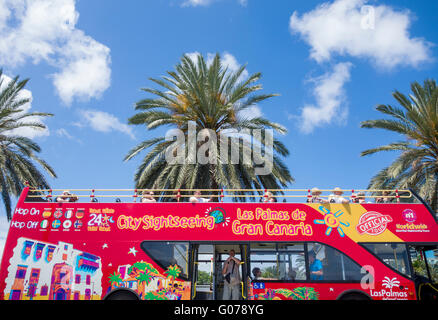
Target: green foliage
[[145, 277], [115, 278], [173, 272], [143, 266], [270, 272], [204, 277], [210, 97], [300, 293], [416, 121], [150, 295], [18, 157]]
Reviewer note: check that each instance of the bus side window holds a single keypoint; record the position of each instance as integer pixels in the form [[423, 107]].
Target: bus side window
[[282, 261], [394, 255], [169, 254], [331, 264]]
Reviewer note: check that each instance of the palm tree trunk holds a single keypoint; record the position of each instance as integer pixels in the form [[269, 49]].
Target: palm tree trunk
[[213, 183]]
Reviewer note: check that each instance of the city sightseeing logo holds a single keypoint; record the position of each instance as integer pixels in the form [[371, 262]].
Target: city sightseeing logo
[[373, 223], [219, 215]]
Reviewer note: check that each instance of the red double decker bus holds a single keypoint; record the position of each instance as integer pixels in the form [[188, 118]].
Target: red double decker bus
[[114, 246]]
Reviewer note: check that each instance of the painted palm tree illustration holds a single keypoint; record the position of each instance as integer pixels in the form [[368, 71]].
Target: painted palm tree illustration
[[416, 121], [173, 272], [207, 96], [18, 159], [300, 293], [115, 279], [144, 278]]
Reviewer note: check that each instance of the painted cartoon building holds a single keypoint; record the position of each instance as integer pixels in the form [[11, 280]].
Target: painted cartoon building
[[149, 283], [46, 271]]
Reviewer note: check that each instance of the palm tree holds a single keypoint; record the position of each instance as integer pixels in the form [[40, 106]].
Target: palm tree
[[144, 278], [211, 97], [173, 272], [17, 153], [417, 122], [115, 278]]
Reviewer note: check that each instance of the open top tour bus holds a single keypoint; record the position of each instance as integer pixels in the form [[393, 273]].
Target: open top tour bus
[[106, 246]]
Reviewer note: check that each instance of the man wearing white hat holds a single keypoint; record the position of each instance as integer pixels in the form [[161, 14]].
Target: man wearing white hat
[[336, 196]]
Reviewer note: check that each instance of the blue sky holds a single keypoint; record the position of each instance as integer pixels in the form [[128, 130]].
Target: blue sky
[[331, 62]]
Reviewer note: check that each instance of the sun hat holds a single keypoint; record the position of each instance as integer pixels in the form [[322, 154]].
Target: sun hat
[[316, 191], [337, 189]]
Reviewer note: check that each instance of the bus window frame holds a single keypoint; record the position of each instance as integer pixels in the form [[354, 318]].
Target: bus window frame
[[189, 256], [406, 244], [423, 246], [306, 259]]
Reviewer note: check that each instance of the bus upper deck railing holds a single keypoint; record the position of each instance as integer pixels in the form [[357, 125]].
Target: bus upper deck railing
[[219, 195]]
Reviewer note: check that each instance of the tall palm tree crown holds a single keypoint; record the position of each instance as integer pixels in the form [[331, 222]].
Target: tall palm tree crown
[[18, 157], [417, 122], [208, 97]]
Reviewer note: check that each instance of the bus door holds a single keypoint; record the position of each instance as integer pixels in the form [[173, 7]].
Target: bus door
[[221, 255], [203, 275]]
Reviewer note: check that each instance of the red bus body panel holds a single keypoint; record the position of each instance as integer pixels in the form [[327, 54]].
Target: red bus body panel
[[80, 250]]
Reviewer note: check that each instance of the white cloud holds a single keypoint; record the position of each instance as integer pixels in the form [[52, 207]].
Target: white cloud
[[25, 131], [104, 122], [353, 29], [63, 133], [330, 96], [378, 33], [44, 30], [196, 3]]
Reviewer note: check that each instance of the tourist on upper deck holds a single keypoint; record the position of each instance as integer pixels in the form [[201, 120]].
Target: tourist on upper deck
[[272, 199], [316, 197], [174, 197], [384, 198], [148, 197], [269, 197], [336, 196], [66, 196], [361, 198], [197, 197]]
